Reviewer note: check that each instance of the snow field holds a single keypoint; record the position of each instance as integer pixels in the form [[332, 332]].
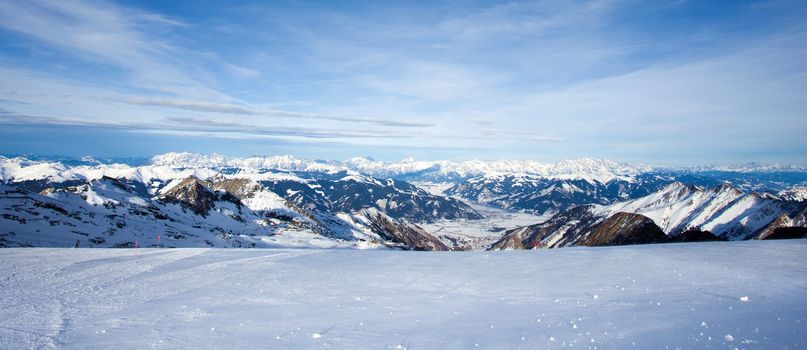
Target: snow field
[[722, 295]]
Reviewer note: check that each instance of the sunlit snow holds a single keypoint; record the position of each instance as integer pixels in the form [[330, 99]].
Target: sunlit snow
[[748, 295]]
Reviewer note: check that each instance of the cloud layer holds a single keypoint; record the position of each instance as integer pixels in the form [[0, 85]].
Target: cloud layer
[[662, 83]]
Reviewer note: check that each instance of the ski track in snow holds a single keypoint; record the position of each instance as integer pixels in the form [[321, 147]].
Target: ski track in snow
[[745, 295]]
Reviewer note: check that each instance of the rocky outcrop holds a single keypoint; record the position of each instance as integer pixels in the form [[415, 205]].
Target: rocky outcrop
[[409, 235], [783, 220], [583, 226], [790, 232], [561, 230], [695, 235], [191, 193], [240, 188], [623, 229], [786, 225]]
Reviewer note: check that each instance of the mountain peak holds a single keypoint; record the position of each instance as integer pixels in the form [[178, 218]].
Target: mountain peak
[[625, 228], [192, 193]]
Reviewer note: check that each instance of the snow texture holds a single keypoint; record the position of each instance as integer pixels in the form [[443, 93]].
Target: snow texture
[[745, 295]]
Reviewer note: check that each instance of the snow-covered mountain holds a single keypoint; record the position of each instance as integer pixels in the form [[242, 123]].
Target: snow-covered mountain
[[347, 192], [589, 169], [115, 204], [600, 170], [21, 170], [723, 212], [189, 212], [798, 193], [750, 167], [543, 196], [284, 201]]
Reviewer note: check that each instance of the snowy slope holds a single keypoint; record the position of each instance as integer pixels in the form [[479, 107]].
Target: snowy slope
[[797, 193], [191, 212], [690, 296], [346, 190], [107, 212], [723, 210], [678, 206]]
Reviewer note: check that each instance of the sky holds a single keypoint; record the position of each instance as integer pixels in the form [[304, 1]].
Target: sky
[[653, 82]]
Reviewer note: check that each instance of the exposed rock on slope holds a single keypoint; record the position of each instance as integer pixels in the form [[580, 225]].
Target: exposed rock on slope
[[784, 226], [191, 193], [788, 233], [560, 230], [695, 236], [411, 236], [623, 229], [582, 226]]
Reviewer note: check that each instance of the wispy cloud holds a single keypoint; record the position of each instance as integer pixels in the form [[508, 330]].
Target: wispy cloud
[[434, 81], [479, 121], [229, 129], [164, 20], [517, 135], [213, 128], [517, 20], [198, 106], [201, 106], [107, 34], [2, 100]]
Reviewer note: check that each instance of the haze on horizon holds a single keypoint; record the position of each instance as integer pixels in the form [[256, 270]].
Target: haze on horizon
[[663, 82]]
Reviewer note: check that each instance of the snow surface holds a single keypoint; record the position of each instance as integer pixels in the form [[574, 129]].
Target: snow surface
[[745, 295]]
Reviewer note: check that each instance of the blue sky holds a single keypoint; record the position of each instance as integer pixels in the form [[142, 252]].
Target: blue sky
[[661, 82]]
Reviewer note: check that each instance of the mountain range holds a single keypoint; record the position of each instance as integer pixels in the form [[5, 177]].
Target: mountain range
[[184, 199]]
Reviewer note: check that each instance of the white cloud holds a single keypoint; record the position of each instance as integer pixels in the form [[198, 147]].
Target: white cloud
[[201, 106], [106, 34], [434, 81], [211, 127]]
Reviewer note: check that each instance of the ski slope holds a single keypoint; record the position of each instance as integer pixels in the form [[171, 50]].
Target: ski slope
[[745, 295]]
